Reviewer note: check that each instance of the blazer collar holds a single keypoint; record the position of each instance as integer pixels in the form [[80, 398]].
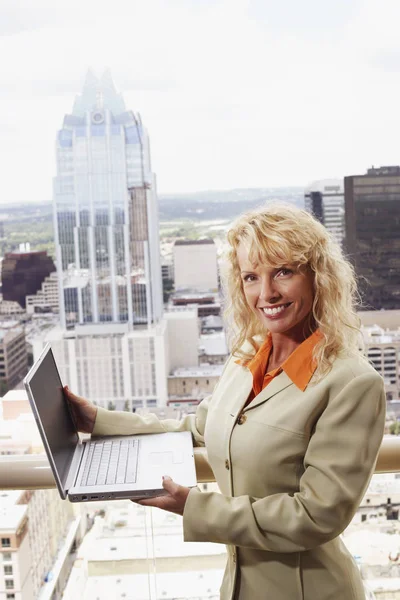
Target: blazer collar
[[278, 384]]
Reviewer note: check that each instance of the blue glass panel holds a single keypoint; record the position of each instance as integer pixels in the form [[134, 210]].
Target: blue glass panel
[[65, 138], [80, 131], [115, 130], [132, 135], [98, 130]]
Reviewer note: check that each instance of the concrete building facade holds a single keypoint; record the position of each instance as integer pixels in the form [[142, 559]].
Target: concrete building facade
[[112, 365], [183, 338], [13, 355], [46, 299], [195, 265], [382, 348]]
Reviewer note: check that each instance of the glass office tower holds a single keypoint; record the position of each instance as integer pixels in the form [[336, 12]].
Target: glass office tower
[[105, 213], [372, 203]]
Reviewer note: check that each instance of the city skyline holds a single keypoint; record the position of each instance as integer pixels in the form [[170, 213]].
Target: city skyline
[[294, 85]]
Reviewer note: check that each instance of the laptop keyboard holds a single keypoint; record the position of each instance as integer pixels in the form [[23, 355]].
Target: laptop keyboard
[[111, 462]]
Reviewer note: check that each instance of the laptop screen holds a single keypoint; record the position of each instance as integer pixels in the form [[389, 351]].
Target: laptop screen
[[54, 414]]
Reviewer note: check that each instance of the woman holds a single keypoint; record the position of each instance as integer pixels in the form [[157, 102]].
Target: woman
[[294, 425]]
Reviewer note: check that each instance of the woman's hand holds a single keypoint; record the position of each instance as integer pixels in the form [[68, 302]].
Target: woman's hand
[[173, 502], [83, 412]]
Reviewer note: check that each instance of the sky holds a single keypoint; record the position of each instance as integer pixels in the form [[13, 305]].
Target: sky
[[233, 93]]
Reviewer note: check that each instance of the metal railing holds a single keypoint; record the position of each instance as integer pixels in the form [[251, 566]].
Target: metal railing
[[32, 471]]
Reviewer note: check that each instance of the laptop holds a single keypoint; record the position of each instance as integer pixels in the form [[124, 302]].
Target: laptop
[[106, 467]]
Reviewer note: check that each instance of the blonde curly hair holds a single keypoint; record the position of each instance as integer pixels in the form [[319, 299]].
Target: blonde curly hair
[[279, 235]]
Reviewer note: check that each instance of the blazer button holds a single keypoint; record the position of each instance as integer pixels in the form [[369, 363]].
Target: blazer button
[[227, 464], [242, 419]]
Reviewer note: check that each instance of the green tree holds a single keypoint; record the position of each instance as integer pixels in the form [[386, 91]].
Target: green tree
[[395, 428]]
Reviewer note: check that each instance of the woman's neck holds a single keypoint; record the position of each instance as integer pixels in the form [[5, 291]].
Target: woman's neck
[[283, 346]]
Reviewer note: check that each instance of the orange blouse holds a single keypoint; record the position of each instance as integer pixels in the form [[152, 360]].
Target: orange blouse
[[299, 366]]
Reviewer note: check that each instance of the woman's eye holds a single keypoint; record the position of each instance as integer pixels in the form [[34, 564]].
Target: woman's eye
[[284, 272], [249, 278]]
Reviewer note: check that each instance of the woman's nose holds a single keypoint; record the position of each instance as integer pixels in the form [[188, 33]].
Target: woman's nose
[[268, 291]]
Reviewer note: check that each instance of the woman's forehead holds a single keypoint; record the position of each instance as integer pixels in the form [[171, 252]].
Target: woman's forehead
[[251, 256]]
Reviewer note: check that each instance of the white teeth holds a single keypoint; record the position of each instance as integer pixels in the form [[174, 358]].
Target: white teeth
[[274, 311]]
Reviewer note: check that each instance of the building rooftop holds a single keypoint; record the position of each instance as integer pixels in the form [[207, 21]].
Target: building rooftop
[[213, 344], [190, 294], [15, 396], [198, 371], [11, 514], [326, 186], [189, 585], [205, 241], [380, 335], [9, 334], [182, 312], [212, 322]]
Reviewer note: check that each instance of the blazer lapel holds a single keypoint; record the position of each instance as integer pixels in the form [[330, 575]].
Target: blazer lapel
[[279, 383]]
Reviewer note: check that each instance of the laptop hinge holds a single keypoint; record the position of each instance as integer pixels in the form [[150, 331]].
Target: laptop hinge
[[74, 466]]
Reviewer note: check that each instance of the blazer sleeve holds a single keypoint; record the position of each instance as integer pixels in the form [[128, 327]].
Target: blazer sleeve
[[339, 462], [125, 423]]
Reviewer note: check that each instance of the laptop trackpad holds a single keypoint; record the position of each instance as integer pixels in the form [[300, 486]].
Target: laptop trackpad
[[160, 459]]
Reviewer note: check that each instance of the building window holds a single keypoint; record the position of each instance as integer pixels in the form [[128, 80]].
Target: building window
[[6, 556], [10, 596], [9, 584], [8, 570], [6, 542]]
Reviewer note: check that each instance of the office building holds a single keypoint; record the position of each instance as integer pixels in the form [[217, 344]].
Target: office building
[[372, 210], [39, 531], [9, 308], [110, 364], [195, 265], [183, 337], [207, 303], [105, 213], [193, 382], [213, 348], [15, 574], [382, 348], [46, 299], [13, 355], [325, 200], [23, 273], [111, 344]]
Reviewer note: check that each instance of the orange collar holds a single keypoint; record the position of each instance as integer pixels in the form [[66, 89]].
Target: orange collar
[[299, 366]]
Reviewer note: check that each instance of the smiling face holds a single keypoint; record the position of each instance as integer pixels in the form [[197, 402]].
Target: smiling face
[[282, 298]]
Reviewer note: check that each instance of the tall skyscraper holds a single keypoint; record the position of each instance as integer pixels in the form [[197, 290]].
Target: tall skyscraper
[[372, 208], [325, 200], [105, 213], [111, 343]]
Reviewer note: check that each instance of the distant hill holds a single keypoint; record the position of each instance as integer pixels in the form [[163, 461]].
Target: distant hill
[[224, 204], [207, 205]]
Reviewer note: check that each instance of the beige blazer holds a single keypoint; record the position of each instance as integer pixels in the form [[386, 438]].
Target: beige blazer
[[292, 468]]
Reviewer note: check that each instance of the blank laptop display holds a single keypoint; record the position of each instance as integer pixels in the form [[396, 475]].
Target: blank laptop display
[[107, 467]]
